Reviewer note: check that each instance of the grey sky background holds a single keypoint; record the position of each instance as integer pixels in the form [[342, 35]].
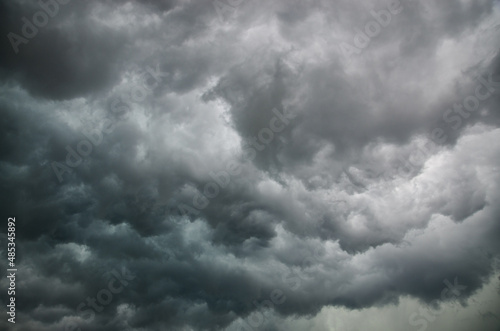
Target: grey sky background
[[252, 165]]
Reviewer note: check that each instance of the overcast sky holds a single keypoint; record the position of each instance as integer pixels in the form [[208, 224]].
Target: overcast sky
[[251, 165]]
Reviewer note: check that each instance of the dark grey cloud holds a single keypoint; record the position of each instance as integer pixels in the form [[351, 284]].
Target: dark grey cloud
[[225, 164]]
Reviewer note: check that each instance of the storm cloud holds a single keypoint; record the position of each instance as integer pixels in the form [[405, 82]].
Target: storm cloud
[[251, 165]]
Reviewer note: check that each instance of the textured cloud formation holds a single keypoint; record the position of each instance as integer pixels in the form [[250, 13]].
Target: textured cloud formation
[[248, 164]]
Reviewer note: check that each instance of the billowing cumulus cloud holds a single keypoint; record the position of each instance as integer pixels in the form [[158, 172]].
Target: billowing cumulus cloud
[[251, 165]]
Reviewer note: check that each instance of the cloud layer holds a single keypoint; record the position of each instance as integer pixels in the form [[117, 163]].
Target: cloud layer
[[245, 164]]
